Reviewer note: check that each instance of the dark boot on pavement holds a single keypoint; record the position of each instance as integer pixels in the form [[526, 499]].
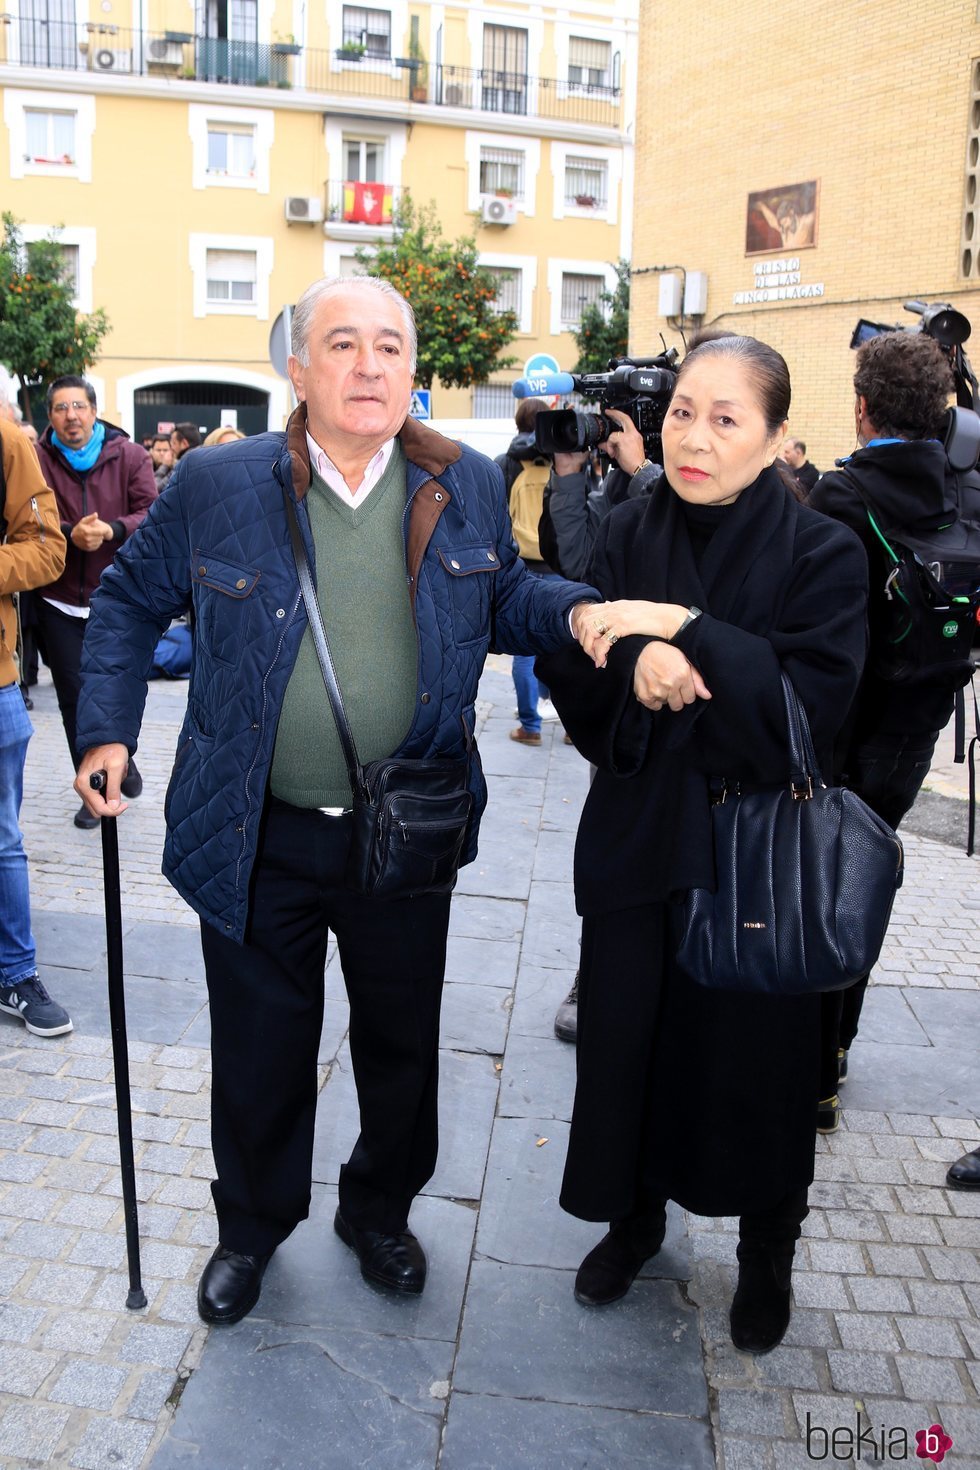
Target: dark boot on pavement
[[761, 1306], [611, 1267], [566, 1017]]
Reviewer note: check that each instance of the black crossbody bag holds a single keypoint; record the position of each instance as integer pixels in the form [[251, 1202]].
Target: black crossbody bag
[[805, 874], [410, 817]]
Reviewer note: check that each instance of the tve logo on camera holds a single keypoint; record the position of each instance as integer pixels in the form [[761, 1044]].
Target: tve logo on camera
[[845, 1443]]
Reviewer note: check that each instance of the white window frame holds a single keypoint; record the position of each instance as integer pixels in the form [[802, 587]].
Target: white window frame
[[398, 10], [530, 147], [336, 130], [530, 20], [622, 41], [198, 247], [83, 238], [505, 147], [559, 268], [528, 267], [579, 35], [262, 119], [17, 103], [611, 157], [382, 9]]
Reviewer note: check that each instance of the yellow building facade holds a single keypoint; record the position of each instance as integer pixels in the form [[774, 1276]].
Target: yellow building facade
[[206, 161], [809, 166]]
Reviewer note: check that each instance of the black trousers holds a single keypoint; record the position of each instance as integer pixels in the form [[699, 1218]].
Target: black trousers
[[59, 637], [887, 774], [266, 1015]]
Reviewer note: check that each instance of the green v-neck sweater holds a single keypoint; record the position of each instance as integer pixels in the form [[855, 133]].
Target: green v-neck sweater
[[362, 589]]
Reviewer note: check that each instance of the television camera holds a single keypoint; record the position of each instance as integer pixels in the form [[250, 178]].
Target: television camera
[[638, 386], [945, 325]]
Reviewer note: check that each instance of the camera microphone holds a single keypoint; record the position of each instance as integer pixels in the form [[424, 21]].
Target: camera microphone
[[544, 385]]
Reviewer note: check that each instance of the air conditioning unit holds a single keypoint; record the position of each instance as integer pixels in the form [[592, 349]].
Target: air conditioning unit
[[102, 58], [303, 210], [499, 211], [164, 55]]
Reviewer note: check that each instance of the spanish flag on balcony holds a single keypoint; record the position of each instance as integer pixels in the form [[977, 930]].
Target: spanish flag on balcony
[[367, 204]]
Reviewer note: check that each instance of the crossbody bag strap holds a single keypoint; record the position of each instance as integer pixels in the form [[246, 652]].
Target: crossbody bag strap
[[306, 587]]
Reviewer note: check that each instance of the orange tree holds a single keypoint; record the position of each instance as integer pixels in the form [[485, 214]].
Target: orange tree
[[603, 332], [461, 330], [41, 333]]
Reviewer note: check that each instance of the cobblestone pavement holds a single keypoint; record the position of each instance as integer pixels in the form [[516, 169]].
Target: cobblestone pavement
[[495, 1368]]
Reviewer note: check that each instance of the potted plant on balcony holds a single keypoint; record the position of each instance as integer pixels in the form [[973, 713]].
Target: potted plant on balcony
[[351, 51], [585, 201], [287, 47], [418, 90]]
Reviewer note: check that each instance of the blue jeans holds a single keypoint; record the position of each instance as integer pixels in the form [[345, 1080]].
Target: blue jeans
[[526, 686], [17, 955], [528, 691]]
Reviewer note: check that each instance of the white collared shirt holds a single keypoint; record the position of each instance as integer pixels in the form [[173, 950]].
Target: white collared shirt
[[330, 475]]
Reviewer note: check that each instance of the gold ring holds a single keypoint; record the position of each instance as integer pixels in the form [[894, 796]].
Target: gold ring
[[599, 627], [613, 638]]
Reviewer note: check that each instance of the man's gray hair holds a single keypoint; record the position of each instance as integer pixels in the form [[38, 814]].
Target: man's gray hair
[[305, 309]]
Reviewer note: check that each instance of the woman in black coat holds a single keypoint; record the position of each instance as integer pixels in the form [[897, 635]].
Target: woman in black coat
[[716, 583]]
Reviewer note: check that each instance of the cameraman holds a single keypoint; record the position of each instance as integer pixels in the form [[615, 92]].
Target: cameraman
[[575, 502], [900, 469]]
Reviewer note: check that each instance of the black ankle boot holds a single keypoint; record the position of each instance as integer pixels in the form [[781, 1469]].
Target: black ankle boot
[[611, 1267], [760, 1308]]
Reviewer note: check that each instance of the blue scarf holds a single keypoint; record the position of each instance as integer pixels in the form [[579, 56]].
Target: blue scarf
[[82, 460]]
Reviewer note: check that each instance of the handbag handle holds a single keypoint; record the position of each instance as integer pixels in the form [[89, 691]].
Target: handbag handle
[[355, 770], [804, 771]]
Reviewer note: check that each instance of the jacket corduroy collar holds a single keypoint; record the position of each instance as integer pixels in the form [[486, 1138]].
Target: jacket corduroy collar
[[432, 452]]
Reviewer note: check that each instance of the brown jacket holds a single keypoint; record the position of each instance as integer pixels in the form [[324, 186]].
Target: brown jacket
[[33, 549]]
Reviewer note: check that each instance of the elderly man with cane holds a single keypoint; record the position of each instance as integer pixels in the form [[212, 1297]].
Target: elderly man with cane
[[407, 537]]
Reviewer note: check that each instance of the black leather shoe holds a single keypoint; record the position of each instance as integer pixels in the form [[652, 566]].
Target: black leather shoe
[[760, 1309], [230, 1285], [84, 819], [965, 1173], [132, 786], [611, 1267], [395, 1261]]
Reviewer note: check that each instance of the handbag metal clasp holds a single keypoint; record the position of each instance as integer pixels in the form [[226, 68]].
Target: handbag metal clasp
[[800, 791]]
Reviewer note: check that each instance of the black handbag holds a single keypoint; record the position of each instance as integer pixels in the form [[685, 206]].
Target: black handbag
[[410, 818], [806, 875]]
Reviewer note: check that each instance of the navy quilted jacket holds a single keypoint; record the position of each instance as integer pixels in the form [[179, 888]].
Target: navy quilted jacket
[[217, 537]]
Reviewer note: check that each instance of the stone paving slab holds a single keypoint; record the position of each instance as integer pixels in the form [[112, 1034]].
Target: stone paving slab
[[495, 1365]]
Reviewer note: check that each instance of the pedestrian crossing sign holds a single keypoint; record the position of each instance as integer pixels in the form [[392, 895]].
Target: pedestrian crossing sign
[[421, 405]]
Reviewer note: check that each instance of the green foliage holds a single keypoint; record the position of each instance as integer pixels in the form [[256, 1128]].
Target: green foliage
[[604, 330], [461, 334], [41, 333]]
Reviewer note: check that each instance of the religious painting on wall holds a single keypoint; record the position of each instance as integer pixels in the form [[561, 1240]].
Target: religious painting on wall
[[782, 219]]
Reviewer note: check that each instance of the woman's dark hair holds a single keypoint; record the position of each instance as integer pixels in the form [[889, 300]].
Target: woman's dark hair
[[905, 381], [526, 413], [765, 365]]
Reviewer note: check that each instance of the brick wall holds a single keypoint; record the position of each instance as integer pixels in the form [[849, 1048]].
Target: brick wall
[[873, 102]]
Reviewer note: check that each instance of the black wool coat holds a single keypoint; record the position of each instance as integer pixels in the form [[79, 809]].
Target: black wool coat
[[781, 587], [683, 1093]]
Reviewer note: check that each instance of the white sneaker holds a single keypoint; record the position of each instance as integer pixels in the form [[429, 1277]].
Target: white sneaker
[[547, 710]]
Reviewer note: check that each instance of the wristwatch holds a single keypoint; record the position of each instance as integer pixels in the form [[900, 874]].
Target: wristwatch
[[692, 614]]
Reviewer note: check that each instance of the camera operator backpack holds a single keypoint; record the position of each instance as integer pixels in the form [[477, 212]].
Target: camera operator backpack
[[929, 602], [527, 503]]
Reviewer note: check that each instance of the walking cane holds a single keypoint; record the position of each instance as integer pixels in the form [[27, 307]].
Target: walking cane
[[120, 1049]]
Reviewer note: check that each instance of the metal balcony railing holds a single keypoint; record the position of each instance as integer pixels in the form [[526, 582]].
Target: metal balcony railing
[[109, 49]]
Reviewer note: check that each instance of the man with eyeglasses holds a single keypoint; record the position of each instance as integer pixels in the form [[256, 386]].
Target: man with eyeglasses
[[104, 485]]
